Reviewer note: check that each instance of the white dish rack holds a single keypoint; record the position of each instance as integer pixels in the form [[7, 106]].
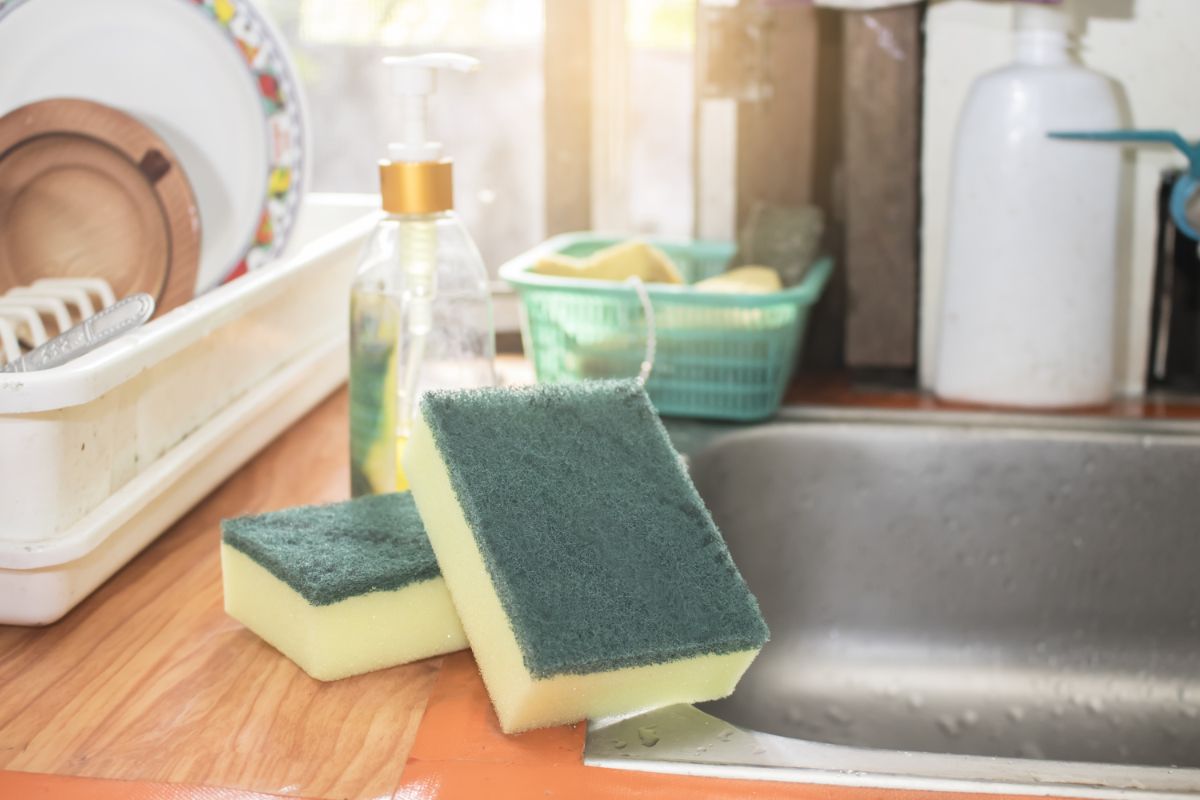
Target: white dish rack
[[65, 301], [101, 455]]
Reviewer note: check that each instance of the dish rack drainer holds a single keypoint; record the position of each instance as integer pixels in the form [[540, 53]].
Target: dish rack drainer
[[61, 303], [99, 456]]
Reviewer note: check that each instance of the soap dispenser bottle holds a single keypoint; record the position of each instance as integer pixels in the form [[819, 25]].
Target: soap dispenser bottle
[[420, 308], [1031, 258]]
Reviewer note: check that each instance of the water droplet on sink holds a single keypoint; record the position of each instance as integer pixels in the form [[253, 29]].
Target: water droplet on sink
[[915, 701], [970, 718], [948, 724], [837, 715], [648, 736], [1016, 713], [1031, 750], [725, 735], [618, 744]]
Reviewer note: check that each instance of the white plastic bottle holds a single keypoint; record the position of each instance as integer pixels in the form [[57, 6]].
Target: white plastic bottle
[[1031, 259], [420, 308]]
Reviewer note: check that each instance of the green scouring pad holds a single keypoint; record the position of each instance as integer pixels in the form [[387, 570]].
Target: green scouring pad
[[342, 588], [587, 572]]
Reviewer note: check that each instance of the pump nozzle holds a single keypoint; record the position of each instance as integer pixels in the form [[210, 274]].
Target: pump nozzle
[[414, 78]]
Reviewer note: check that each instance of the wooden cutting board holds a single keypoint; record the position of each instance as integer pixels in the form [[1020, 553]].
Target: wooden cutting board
[[89, 191]]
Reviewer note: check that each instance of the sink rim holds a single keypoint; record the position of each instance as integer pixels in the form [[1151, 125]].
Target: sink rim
[[730, 751], [1041, 422], [691, 437]]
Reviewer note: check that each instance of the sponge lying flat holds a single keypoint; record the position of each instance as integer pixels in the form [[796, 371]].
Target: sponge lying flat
[[340, 589], [589, 576], [742, 280]]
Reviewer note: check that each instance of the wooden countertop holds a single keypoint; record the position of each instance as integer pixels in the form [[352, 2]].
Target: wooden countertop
[[148, 680]]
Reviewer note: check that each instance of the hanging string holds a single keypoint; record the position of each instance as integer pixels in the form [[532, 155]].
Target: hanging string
[[651, 331]]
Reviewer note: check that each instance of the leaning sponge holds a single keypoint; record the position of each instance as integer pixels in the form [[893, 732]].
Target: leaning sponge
[[340, 589], [587, 572]]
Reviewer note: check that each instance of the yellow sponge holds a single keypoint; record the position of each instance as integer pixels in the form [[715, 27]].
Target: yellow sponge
[[589, 576], [340, 589], [742, 280], [616, 263]]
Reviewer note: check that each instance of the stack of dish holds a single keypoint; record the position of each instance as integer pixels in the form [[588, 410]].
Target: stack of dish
[[157, 144]]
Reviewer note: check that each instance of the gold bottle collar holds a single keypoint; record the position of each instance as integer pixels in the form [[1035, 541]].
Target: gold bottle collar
[[416, 187]]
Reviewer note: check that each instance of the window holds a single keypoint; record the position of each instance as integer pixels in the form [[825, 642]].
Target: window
[[661, 40], [489, 121], [493, 122]]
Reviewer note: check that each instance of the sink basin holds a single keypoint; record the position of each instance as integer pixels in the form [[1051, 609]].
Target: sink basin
[[974, 602]]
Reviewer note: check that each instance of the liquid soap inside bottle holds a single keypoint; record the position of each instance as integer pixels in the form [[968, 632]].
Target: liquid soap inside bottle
[[420, 308], [421, 319]]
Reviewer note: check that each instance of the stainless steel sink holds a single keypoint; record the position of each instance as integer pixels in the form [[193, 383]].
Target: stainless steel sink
[[983, 602]]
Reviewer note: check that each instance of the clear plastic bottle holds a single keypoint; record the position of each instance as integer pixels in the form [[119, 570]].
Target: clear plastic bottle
[[420, 308]]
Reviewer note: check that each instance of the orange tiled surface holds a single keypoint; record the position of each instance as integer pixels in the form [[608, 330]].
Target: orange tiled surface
[[33, 786]]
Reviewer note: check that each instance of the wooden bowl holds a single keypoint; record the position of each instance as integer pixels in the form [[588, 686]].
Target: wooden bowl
[[88, 191]]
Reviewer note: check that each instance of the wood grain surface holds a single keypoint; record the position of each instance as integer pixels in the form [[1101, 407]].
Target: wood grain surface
[[148, 679]]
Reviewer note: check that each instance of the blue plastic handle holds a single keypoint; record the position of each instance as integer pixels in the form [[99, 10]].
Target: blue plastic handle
[[1185, 187]]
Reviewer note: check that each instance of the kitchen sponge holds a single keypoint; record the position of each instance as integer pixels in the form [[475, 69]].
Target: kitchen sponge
[[340, 589], [617, 262], [589, 577]]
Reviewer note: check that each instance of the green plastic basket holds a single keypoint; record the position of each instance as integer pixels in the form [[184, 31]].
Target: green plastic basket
[[719, 355]]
